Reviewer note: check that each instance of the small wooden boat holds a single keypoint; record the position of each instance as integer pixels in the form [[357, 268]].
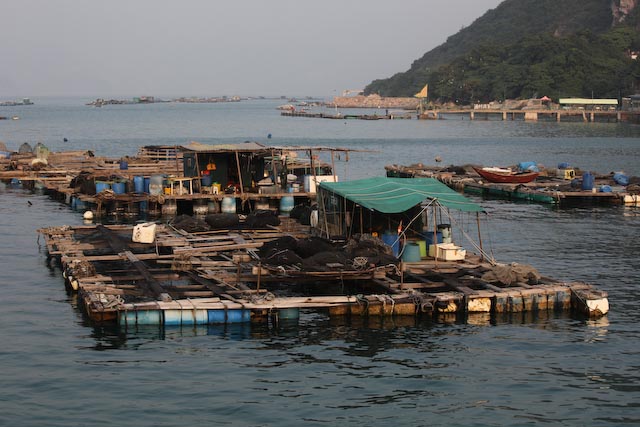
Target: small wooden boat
[[506, 176]]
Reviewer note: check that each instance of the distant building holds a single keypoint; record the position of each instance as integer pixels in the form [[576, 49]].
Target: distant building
[[589, 103]]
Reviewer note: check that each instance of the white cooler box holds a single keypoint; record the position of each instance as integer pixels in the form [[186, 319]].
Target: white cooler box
[[144, 233], [447, 252]]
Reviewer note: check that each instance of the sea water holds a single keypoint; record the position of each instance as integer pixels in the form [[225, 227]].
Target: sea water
[[554, 369]]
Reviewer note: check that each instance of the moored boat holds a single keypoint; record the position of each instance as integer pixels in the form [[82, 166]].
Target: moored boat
[[506, 176]]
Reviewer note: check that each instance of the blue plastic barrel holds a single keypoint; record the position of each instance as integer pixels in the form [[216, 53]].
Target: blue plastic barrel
[[207, 180], [587, 181], [185, 317], [78, 204], [228, 205], [101, 186], [390, 238], [124, 165], [621, 179], [411, 252], [147, 181], [528, 166], [605, 189], [286, 205], [563, 165], [118, 187], [228, 316], [156, 184], [288, 313], [140, 317], [138, 184], [429, 238]]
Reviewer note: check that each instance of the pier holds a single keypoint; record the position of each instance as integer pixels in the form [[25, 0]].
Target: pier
[[339, 116], [559, 115]]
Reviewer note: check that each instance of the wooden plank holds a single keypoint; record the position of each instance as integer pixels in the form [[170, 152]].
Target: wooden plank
[[153, 287]]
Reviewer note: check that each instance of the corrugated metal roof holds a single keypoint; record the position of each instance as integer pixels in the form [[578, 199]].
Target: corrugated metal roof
[[247, 146], [395, 195], [588, 101]]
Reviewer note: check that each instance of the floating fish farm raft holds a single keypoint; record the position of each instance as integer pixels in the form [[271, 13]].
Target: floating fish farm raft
[[157, 274], [559, 186], [183, 179], [259, 234]]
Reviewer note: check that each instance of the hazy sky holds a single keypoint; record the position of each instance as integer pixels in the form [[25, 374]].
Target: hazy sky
[[213, 47]]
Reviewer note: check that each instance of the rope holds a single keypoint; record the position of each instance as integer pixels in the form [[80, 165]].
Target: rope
[[384, 299], [488, 256], [361, 300], [255, 299], [360, 263], [402, 233]]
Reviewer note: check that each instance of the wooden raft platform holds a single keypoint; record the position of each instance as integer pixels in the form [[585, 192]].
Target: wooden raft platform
[[217, 277], [544, 189], [87, 182]]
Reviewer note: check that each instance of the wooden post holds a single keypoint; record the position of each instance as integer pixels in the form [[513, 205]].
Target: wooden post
[[239, 173], [198, 171], [333, 165], [313, 171], [175, 147], [259, 277]]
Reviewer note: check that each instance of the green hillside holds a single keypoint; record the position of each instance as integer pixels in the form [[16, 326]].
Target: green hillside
[[525, 48]]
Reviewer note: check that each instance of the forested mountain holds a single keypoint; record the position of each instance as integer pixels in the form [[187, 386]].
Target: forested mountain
[[527, 48]]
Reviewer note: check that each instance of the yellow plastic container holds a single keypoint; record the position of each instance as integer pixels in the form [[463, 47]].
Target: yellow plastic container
[[423, 248]]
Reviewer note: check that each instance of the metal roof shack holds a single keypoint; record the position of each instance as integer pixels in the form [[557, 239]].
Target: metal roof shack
[[379, 205]]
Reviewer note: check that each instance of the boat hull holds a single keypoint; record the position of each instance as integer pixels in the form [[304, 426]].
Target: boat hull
[[514, 178]]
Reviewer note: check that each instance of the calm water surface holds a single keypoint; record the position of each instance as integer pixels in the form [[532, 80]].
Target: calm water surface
[[58, 370]]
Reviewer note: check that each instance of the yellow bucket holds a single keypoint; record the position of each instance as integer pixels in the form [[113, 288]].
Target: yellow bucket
[[423, 248]]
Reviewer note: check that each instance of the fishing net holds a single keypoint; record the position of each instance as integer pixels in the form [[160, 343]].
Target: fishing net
[[261, 219], [510, 274], [220, 221]]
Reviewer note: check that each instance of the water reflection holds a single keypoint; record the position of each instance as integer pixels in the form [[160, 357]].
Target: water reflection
[[357, 336]]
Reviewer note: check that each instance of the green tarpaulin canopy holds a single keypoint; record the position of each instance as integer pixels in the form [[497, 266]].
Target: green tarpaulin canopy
[[395, 195]]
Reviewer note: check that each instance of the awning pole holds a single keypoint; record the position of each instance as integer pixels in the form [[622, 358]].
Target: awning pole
[[480, 236], [435, 236]]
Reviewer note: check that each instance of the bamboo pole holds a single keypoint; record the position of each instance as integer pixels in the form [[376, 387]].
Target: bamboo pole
[[480, 236]]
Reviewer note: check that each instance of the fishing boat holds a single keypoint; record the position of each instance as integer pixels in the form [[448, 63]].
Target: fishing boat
[[506, 176]]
